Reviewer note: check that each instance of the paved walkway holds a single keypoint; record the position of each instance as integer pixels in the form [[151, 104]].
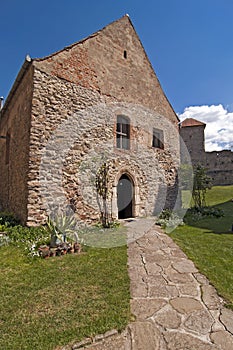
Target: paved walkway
[[175, 307]]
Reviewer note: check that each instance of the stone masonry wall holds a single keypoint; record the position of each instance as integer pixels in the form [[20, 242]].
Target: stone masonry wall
[[13, 172], [219, 164], [78, 93], [73, 133], [99, 63], [193, 137], [220, 167], [62, 123], [54, 101]]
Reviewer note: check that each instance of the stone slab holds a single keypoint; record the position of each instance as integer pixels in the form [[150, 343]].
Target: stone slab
[[199, 321], [168, 318], [210, 297], [182, 341], [176, 277], [145, 308], [185, 266], [189, 289], [186, 305], [163, 291], [222, 339], [226, 317], [201, 279], [138, 289], [144, 336], [116, 342]]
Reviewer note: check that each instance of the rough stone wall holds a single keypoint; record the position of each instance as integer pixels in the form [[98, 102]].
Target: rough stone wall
[[78, 93], [15, 121], [65, 122], [73, 133], [54, 101], [99, 63], [193, 137], [220, 167]]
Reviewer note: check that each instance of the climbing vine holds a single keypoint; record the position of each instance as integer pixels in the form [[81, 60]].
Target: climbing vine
[[102, 188]]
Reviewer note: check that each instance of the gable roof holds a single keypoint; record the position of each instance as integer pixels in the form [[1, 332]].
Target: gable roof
[[66, 48], [61, 63], [191, 122], [28, 62]]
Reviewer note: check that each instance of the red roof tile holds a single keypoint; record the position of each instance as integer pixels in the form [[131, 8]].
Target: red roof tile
[[191, 122]]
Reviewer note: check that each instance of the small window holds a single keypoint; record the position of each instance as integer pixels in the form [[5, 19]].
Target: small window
[[123, 132], [125, 54], [157, 141]]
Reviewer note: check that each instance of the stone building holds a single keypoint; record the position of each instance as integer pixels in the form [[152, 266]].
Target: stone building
[[220, 167], [219, 164], [192, 133], [91, 113]]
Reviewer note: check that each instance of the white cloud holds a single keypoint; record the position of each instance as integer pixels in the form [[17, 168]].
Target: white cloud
[[219, 125]]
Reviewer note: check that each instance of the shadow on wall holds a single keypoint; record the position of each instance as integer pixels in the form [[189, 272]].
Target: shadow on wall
[[168, 197]]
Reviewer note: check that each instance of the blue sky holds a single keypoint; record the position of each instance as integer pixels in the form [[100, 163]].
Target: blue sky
[[189, 43]]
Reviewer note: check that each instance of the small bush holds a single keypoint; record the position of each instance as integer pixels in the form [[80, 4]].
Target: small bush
[[27, 238], [169, 220], [8, 219], [112, 224], [196, 214], [215, 212], [166, 214]]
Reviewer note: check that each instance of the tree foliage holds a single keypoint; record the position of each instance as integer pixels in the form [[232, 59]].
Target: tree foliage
[[201, 183]]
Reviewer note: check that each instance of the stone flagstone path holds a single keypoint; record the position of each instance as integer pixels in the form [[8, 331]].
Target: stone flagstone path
[[176, 308]]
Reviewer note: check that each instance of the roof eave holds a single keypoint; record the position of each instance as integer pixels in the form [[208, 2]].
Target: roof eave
[[17, 81], [68, 47]]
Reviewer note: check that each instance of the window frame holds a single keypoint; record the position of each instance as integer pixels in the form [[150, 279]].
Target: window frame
[[123, 132], [158, 138]]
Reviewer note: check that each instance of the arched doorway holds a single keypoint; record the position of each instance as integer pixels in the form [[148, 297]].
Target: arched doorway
[[125, 196]]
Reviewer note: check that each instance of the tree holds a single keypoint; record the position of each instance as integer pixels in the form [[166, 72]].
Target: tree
[[102, 187], [201, 183]]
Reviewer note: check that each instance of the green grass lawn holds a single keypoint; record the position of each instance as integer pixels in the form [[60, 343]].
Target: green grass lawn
[[209, 242], [219, 194], [45, 303], [48, 303]]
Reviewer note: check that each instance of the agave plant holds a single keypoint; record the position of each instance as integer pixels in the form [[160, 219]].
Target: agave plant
[[61, 228]]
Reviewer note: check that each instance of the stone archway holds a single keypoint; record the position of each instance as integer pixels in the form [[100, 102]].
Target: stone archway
[[125, 197], [136, 176]]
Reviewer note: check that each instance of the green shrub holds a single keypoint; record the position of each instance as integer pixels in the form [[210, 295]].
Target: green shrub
[[169, 220], [8, 219], [196, 214], [27, 238], [112, 224], [166, 214]]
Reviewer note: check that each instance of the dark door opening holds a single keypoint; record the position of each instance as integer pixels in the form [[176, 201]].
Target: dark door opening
[[125, 197]]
